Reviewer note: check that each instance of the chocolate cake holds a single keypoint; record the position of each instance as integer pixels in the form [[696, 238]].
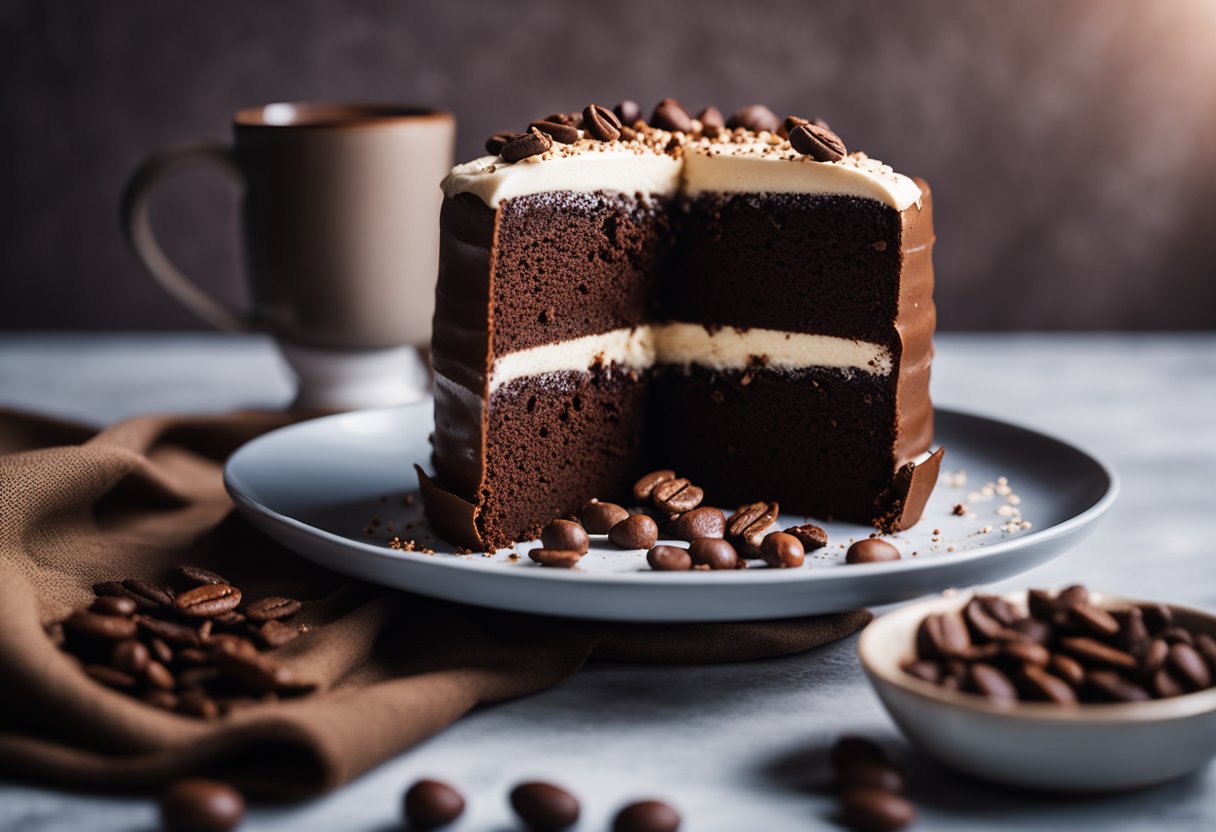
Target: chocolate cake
[[748, 304]]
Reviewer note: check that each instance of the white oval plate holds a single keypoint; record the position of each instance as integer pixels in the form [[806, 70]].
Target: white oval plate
[[339, 488]]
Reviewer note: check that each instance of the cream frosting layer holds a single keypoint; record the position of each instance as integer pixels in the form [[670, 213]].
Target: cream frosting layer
[[688, 345], [763, 163]]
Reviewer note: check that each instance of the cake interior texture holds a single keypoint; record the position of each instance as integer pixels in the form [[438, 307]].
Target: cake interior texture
[[766, 345]]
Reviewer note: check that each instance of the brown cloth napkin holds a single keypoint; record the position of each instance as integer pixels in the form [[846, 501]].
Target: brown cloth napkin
[[393, 668]]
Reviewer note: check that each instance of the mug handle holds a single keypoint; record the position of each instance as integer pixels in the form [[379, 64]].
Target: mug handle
[[138, 229]]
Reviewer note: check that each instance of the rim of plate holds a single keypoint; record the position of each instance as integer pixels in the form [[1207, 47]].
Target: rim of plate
[[760, 576]]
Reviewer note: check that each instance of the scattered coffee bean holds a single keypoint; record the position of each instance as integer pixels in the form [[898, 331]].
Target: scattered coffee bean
[[1113, 687], [197, 805], [701, 522], [532, 143], [635, 532], [875, 810], [629, 112], [782, 551], [992, 683], [676, 495], [430, 804], [257, 673], [601, 123], [187, 577], [819, 143], [644, 487], [670, 115], [565, 534], [208, 600], [495, 143], [647, 816], [147, 594], [275, 633], [544, 807], [598, 518], [942, 636], [812, 537], [560, 133], [850, 750], [276, 606], [100, 627], [755, 117], [749, 524], [114, 605], [713, 552], [878, 774], [669, 559], [556, 558], [130, 656], [871, 550], [711, 117], [1188, 666]]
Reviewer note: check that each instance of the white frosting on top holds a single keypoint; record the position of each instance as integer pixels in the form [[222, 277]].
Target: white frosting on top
[[750, 163], [685, 344]]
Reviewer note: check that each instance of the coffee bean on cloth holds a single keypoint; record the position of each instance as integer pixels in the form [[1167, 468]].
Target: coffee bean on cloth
[[145, 495]]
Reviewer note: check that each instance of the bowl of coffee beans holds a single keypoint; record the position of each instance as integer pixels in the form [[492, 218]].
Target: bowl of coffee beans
[[1070, 691]]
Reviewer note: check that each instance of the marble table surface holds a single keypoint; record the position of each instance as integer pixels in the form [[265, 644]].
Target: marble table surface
[[732, 745]]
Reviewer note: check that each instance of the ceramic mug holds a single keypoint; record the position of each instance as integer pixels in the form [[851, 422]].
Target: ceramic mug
[[340, 219]]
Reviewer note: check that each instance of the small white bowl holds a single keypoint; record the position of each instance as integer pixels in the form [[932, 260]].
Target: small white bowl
[[1080, 748]]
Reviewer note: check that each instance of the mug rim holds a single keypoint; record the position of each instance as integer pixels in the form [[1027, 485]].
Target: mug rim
[[333, 115]]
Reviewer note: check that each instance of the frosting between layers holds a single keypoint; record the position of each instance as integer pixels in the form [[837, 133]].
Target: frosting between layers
[[686, 345], [760, 164]]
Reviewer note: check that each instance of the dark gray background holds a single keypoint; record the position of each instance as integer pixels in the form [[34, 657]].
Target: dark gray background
[[1071, 144]]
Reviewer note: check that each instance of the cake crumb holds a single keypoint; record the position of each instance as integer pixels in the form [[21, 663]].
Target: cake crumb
[[409, 546], [959, 510]]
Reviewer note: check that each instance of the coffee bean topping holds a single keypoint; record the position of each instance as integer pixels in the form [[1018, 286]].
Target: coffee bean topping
[[598, 518], [636, 532], [789, 124], [669, 559], [557, 558], [811, 537], [430, 804], [565, 534], [560, 133], [544, 807], [749, 524], [754, 117], [276, 606], [782, 550], [525, 145], [495, 143], [676, 495], [208, 600], [711, 119], [700, 522], [647, 816], [670, 115], [114, 605], [871, 550], [869, 809], [197, 805], [819, 143], [629, 112], [714, 553], [644, 487], [601, 123]]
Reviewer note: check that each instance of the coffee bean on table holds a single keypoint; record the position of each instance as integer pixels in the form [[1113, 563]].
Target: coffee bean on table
[[677, 495], [188, 577], [276, 606], [197, 805], [556, 558], [782, 551], [526, 145], [701, 522], [598, 518], [208, 600], [114, 605], [1188, 666], [748, 525], [1113, 687], [1090, 651], [941, 636], [647, 816], [130, 656], [635, 532], [669, 559], [811, 536], [875, 810], [430, 804], [850, 750], [100, 627], [871, 550], [147, 594], [275, 633], [1037, 683], [565, 534], [878, 774], [644, 487], [713, 552], [544, 807], [992, 683]]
